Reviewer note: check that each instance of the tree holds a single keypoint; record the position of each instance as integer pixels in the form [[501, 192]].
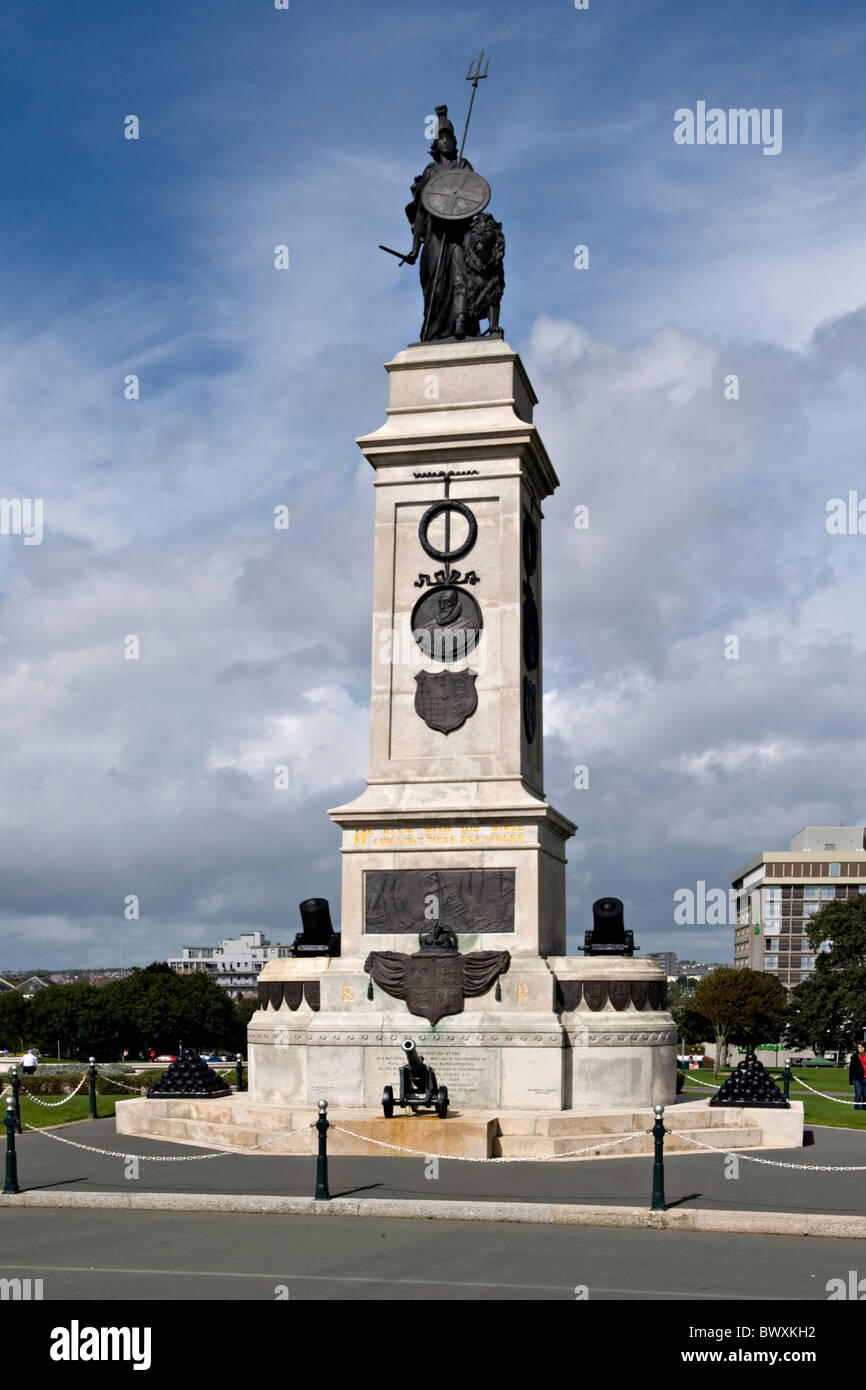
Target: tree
[[244, 1010], [828, 1010], [822, 1012], [158, 1008], [842, 922], [76, 1016], [692, 1026], [743, 1006], [14, 1013]]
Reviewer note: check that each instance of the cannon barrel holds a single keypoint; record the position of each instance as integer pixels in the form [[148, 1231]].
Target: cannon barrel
[[414, 1060], [316, 921], [607, 920]]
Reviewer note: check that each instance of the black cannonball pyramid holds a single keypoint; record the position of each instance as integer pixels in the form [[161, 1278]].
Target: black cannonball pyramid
[[189, 1077], [750, 1084]]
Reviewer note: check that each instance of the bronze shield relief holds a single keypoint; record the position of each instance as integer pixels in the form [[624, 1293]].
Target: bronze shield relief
[[595, 994], [619, 993]]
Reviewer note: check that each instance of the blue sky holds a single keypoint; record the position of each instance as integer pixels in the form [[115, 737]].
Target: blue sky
[[155, 257]]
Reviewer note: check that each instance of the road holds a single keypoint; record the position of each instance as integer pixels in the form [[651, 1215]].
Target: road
[[115, 1255]]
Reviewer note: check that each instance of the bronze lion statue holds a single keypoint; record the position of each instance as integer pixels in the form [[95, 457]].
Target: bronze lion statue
[[483, 256]]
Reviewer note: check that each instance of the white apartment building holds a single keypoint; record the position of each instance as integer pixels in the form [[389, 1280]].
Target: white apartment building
[[779, 890], [235, 963]]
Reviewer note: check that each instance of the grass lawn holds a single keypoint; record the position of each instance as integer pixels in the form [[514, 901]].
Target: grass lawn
[[76, 1108], [828, 1112]]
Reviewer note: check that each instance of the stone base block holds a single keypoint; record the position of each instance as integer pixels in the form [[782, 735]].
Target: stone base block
[[269, 1129]]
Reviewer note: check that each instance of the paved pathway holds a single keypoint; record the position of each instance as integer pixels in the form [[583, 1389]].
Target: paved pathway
[[697, 1180]]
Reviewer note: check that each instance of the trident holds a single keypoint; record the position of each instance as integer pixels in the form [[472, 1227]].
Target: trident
[[474, 78]]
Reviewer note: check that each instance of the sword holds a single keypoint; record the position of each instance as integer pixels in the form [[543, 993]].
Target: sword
[[399, 254]]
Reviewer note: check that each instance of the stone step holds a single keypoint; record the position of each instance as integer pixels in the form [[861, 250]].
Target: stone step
[[246, 1114], [243, 1124], [213, 1135], [542, 1145], [699, 1117]]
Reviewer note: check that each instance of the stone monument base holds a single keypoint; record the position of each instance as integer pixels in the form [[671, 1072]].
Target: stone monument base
[[564, 1033], [239, 1123]]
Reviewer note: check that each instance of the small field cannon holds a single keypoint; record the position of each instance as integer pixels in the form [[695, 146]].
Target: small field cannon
[[419, 1089]]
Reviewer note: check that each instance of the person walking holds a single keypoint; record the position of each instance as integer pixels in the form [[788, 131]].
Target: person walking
[[857, 1076], [29, 1062]]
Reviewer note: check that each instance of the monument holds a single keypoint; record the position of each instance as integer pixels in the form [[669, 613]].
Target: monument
[[453, 861], [450, 969]]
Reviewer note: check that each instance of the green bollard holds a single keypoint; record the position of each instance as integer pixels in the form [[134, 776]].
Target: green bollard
[[240, 1071], [658, 1133], [787, 1077], [11, 1123], [322, 1193], [16, 1086], [92, 1071]]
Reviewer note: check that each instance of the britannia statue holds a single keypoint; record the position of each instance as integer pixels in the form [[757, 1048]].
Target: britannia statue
[[459, 246]]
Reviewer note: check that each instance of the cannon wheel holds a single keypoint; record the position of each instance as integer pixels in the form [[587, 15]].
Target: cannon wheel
[[442, 1102], [388, 1101]]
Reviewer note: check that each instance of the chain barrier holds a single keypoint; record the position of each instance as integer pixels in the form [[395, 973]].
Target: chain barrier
[[461, 1158], [840, 1100], [773, 1162], [114, 1081], [711, 1085], [170, 1158], [53, 1104]]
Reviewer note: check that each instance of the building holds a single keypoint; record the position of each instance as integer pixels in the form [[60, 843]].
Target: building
[[31, 986], [234, 964], [779, 890], [668, 962], [699, 969]]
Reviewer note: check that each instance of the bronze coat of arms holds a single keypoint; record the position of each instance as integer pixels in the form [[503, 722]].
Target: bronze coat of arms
[[446, 700], [435, 983]]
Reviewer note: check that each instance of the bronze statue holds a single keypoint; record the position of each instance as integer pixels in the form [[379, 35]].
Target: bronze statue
[[483, 255], [461, 248], [442, 242]]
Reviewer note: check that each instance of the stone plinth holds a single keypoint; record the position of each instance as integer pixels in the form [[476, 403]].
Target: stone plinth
[[453, 829], [621, 1040], [471, 799], [241, 1124], [566, 1032]]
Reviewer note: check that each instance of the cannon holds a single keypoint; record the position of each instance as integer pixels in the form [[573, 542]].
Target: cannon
[[418, 1086], [318, 937], [608, 936]]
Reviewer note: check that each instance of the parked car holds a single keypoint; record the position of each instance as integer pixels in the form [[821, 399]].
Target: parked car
[[210, 1056], [166, 1057]]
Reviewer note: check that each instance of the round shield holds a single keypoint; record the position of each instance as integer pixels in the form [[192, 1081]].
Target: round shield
[[455, 194]]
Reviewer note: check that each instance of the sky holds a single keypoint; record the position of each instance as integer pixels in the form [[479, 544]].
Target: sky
[[154, 257]]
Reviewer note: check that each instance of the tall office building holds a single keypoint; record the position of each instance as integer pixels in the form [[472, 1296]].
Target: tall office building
[[779, 890]]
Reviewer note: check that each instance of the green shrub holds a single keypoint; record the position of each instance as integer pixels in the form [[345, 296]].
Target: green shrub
[[64, 1083]]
